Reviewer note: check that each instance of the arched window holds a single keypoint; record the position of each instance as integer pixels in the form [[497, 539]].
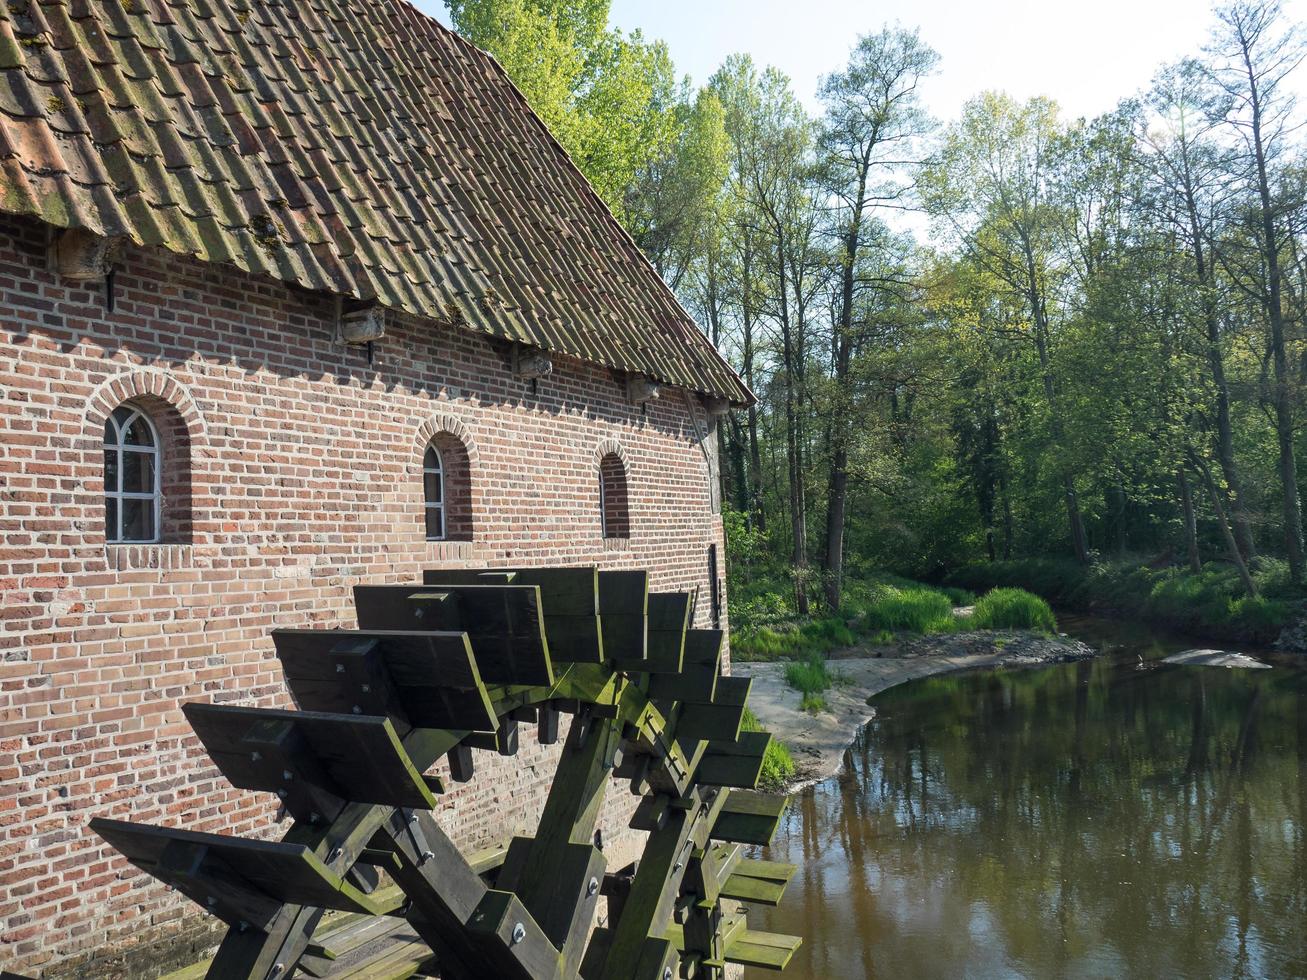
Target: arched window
[[613, 502], [446, 487], [433, 488], [133, 467]]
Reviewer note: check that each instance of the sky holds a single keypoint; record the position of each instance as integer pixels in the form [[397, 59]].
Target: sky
[[1086, 54]]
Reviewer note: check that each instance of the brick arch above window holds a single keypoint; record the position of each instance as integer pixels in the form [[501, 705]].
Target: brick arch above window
[[458, 459], [615, 448], [444, 422], [181, 430]]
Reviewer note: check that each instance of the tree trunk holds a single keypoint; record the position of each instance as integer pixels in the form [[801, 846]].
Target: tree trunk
[[1231, 546], [1283, 396], [1190, 521], [798, 518], [837, 486], [1008, 524], [1079, 542], [1243, 533]]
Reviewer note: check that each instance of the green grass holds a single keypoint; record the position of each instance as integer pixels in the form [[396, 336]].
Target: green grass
[[808, 676], [812, 679], [917, 609], [782, 640], [1211, 602], [813, 703], [1013, 609], [875, 608], [777, 765]]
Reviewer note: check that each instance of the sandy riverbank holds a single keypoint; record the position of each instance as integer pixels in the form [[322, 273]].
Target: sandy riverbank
[[818, 741]]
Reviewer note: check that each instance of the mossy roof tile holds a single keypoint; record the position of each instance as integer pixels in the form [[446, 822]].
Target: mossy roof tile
[[353, 146]]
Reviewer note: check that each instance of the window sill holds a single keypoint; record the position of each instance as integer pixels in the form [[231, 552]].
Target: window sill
[[449, 550], [617, 544], [163, 556]]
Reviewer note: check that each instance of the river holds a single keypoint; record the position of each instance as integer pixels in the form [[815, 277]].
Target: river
[[1117, 817]]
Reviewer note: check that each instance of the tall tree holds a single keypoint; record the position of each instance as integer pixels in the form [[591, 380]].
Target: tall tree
[[1190, 174], [1250, 58], [870, 135], [992, 186]]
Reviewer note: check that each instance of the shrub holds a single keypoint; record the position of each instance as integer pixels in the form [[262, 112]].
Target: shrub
[[917, 609], [777, 765], [1013, 609], [1211, 601]]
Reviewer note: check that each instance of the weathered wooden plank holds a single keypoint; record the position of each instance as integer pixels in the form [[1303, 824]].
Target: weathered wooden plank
[[347, 937], [406, 608], [503, 623], [568, 600], [749, 818], [235, 879], [733, 690], [709, 721], [300, 754], [426, 679], [738, 763], [397, 962], [623, 611], [755, 891], [669, 617], [775, 871], [698, 678], [764, 950]]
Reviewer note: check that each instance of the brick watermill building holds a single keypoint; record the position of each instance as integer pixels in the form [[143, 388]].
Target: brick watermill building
[[298, 297]]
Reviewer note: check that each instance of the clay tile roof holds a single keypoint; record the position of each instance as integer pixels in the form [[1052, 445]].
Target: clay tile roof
[[352, 146]]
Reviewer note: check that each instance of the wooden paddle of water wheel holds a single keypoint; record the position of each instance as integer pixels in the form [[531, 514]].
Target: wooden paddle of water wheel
[[450, 668]]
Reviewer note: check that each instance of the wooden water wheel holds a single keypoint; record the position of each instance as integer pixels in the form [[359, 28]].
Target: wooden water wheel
[[451, 668]]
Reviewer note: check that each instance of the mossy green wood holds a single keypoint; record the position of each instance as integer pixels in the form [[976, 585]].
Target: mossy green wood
[[236, 879], [427, 679], [313, 762], [677, 746]]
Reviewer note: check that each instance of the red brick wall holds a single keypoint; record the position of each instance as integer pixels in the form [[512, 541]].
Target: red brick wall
[[304, 478]]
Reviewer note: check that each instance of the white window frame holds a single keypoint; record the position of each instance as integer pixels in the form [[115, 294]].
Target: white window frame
[[114, 535], [439, 472]]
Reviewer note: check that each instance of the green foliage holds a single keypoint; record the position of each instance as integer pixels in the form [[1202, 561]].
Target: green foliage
[[1210, 602], [915, 609], [813, 703], [765, 626], [1004, 609], [777, 764], [790, 640], [610, 100], [809, 676]]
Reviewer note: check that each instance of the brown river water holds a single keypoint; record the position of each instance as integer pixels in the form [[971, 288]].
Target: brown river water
[[1109, 818]]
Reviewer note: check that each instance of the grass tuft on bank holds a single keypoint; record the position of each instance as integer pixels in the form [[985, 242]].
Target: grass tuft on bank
[[1013, 609], [812, 679]]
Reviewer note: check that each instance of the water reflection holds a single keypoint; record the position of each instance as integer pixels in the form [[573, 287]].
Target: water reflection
[[1101, 819]]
